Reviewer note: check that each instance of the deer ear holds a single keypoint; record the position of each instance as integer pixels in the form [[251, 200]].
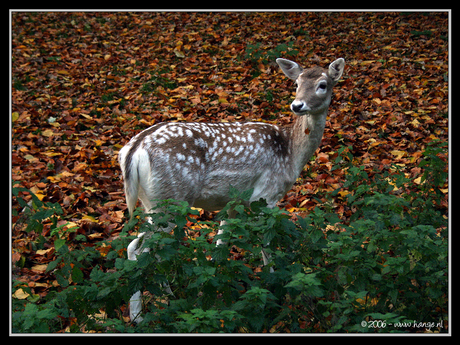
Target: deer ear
[[336, 69], [290, 68]]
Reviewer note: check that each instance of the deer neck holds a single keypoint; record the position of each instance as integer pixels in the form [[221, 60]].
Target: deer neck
[[306, 135]]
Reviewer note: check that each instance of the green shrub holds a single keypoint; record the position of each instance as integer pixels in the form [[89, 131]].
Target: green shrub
[[387, 263]]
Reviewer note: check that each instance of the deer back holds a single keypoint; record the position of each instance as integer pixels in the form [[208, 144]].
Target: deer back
[[198, 162]]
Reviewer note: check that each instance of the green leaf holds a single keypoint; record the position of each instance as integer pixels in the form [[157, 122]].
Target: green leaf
[[58, 244], [306, 283], [77, 275]]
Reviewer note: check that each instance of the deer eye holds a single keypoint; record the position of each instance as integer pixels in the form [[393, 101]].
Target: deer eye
[[321, 87]]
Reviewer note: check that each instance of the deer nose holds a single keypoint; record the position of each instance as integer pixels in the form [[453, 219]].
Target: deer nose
[[298, 106]]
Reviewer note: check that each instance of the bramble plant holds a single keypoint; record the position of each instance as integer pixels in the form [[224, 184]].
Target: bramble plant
[[387, 262]]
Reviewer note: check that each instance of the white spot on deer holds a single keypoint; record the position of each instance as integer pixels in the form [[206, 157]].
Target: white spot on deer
[[185, 171], [200, 143], [171, 130], [189, 133], [180, 156], [160, 141]]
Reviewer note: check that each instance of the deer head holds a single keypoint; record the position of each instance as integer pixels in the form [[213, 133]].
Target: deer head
[[314, 85]]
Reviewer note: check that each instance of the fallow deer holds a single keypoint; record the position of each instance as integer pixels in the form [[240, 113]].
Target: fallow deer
[[198, 162]]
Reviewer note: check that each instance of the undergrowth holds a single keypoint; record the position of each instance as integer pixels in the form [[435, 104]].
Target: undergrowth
[[388, 262]]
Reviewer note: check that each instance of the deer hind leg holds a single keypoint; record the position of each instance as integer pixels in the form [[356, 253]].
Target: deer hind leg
[[135, 248], [135, 302], [265, 256]]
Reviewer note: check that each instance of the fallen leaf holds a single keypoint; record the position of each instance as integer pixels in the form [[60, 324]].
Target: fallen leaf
[[31, 159], [179, 54], [96, 235], [43, 251], [399, 154], [415, 123], [15, 257], [48, 133], [39, 268], [38, 193], [20, 294], [323, 157], [89, 218], [418, 180]]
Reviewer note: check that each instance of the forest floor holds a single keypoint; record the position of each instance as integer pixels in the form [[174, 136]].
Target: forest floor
[[83, 84]]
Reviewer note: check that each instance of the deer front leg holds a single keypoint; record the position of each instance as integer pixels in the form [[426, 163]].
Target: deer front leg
[[220, 232], [231, 213], [266, 258]]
